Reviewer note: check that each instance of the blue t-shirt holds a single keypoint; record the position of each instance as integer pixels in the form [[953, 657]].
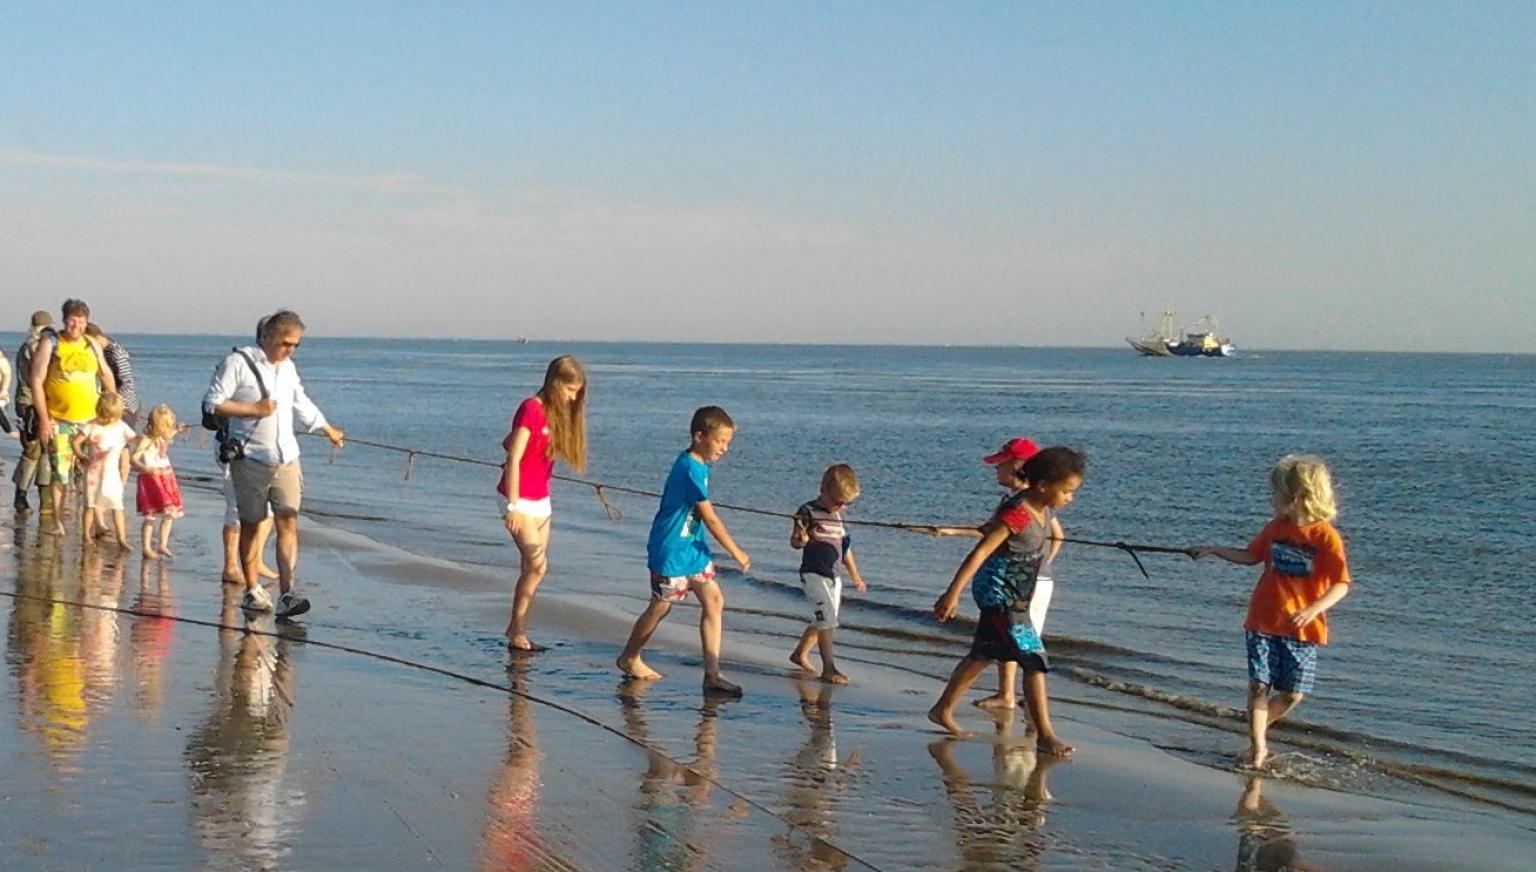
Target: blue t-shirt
[[678, 546]]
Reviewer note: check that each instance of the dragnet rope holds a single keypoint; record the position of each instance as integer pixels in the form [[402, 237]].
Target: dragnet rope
[[601, 489]]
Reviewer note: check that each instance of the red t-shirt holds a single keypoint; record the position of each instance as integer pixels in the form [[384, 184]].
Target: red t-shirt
[[1300, 564], [538, 465]]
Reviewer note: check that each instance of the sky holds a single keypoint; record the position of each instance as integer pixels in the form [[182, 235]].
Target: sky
[[1317, 175]]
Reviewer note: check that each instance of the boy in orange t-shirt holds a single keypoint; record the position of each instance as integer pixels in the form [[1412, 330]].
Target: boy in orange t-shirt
[[1305, 574]]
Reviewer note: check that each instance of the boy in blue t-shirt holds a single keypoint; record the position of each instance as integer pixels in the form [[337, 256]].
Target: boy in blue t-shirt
[[678, 554]]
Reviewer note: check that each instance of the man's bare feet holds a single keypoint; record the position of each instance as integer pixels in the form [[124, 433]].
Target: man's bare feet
[[266, 571], [996, 701], [635, 668], [802, 659], [1055, 747], [946, 719], [834, 677], [718, 684]]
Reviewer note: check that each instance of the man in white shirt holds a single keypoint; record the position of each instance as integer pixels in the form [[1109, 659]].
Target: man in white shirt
[[263, 413]]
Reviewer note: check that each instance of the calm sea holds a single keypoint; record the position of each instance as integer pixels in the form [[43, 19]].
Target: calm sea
[[1429, 675]]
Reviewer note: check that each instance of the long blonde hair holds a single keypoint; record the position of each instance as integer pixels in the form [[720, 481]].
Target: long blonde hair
[[567, 420], [1302, 489], [161, 424]]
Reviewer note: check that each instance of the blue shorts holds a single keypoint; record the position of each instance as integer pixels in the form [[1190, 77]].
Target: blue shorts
[[1282, 663]]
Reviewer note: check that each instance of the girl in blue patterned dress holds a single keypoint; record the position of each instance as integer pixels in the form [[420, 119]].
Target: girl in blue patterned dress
[[1014, 551]]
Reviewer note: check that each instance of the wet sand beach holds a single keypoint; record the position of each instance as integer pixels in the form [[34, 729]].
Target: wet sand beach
[[141, 741]]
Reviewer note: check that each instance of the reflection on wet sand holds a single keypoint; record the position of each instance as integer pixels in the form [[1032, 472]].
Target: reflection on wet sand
[[1265, 842], [63, 657], [815, 778], [676, 823], [1004, 833], [511, 839], [246, 811], [150, 633]]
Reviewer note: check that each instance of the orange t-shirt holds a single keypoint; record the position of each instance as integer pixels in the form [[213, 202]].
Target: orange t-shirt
[[1300, 564]]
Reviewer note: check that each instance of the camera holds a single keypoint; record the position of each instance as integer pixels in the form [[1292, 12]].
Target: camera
[[230, 450]]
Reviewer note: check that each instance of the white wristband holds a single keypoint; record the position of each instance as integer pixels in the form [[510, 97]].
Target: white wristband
[[511, 507]]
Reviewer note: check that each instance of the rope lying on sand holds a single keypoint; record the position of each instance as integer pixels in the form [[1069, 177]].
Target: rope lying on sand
[[601, 489], [468, 679]]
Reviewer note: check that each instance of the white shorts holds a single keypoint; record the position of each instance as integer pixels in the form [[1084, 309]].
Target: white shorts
[[1040, 602], [532, 508], [825, 597]]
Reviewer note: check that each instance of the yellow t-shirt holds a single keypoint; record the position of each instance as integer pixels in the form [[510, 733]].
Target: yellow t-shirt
[[71, 383]]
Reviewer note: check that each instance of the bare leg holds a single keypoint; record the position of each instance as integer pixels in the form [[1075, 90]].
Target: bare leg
[[1040, 711], [1264, 710], [250, 555], [87, 526], [120, 527], [801, 656], [165, 536], [533, 547], [56, 493], [711, 627], [629, 661], [287, 525], [233, 572], [960, 681], [829, 671], [1007, 676], [146, 533]]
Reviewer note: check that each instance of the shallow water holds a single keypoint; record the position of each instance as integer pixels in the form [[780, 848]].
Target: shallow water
[[1433, 454]]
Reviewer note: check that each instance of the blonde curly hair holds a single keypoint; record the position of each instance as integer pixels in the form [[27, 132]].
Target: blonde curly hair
[[1302, 489]]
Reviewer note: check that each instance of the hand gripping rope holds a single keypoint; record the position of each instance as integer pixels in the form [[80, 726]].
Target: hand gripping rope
[[600, 490]]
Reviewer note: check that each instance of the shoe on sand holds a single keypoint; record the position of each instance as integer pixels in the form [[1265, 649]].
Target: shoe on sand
[[291, 605], [257, 600]]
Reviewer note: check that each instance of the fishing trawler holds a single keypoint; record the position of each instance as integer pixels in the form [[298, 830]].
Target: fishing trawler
[[1200, 339]]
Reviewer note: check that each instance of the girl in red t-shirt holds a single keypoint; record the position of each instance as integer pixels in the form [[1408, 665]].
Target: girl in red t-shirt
[[549, 424], [1305, 574]]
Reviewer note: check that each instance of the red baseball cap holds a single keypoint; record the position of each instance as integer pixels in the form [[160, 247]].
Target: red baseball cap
[[1014, 449]]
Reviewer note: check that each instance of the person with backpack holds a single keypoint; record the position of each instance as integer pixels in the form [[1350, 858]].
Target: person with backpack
[[258, 390], [30, 470]]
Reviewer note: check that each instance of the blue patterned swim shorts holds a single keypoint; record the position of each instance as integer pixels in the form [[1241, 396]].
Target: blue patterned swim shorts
[[1283, 663]]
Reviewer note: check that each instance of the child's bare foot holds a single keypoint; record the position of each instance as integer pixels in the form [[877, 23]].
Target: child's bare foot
[[150, 553], [832, 676], [634, 667], [718, 684], [996, 701], [166, 551], [802, 659], [522, 643], [266, 571], [1055, 747], [946, 719], [124, 545], [232, 578], [56, 530]]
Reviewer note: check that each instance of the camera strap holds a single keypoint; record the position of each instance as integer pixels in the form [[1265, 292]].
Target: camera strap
[[261, 385]]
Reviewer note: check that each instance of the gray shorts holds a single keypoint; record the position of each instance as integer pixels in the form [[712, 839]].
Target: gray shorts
[[261, 489]]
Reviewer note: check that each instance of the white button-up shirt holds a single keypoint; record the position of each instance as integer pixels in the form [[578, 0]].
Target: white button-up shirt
[[268, 440]]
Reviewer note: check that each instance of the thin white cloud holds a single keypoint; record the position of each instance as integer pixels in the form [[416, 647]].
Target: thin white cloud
[[385, 183]]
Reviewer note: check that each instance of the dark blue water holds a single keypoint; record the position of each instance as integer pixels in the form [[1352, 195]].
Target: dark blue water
[[1434, 457]]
